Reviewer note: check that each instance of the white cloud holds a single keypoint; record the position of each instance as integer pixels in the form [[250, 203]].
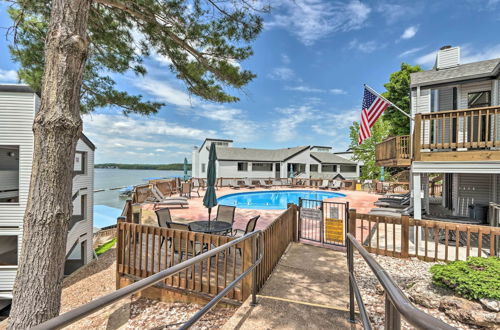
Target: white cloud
[[395, 12], [331, 121], [290, 118], [312, 20], [427, 60], [281, 73], [411, 51], [164, 92], [285, 59], [8, 76], [337, 91], [410, 32], [366, 46]]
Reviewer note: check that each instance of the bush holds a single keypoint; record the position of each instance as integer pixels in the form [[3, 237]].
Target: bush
[[472, 279], [105, 247]]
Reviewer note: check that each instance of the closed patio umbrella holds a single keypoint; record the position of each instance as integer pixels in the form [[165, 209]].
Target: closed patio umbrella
[[210, 200], [185, 168], [291, 171]]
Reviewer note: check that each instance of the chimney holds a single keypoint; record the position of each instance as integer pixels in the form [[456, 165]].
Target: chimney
[[447, 57]]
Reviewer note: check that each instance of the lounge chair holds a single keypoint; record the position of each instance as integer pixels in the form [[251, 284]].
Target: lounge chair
[[387, 212], [263, 184], [336, 185], [234, 185], [277, 183], [400, 204], [162, 200], [225, 213], [249, 184], [242, 184], [324, 184]]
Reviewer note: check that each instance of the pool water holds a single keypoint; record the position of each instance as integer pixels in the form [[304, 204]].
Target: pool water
[[273, 200]]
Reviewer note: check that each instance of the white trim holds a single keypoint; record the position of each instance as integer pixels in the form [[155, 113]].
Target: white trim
[[417, 197], [491, 167]]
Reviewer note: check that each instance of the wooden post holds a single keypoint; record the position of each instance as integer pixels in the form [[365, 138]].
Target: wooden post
[[119, 249], [405, 236], [352, 222], [417, 136], [246, 283]]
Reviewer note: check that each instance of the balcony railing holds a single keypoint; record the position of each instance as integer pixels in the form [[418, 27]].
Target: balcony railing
[[469, 134], [394, 151]]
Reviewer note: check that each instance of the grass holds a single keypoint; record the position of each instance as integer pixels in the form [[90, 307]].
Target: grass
[[105, 247]]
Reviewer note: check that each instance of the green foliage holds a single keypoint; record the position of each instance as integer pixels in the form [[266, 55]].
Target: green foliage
[[203, 40], [398, 92], [366, 151], [472, 279], [105, 247], [163, 167]]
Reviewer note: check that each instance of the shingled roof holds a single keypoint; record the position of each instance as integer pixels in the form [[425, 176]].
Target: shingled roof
[[263, 155], [474, 70], [329, 158]]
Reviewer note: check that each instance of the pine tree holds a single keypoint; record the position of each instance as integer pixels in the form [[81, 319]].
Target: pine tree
[[68, 51]]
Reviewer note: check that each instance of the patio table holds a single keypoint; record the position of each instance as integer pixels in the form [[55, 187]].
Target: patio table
[[210, 227]]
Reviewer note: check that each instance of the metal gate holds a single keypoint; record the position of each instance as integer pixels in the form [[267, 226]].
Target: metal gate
[[323, 222]]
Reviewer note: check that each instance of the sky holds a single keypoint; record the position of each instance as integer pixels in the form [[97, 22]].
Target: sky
[[311, 61]]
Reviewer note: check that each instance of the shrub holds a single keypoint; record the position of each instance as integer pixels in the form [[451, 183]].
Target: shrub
[[105, 247], [472, 279]]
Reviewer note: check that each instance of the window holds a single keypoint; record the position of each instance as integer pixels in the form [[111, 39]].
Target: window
[[83, 206], [328, 168], [80, 160], [8, 250], [202, 168], [9, 174], [242, 166], [313, 167], [347, 168], [262, 167], [222, 144], [479, 99]]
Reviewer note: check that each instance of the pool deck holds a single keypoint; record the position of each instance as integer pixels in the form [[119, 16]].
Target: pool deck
[[359, 200]]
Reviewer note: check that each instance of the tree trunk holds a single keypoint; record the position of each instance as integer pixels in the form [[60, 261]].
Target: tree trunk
[[57, 127]]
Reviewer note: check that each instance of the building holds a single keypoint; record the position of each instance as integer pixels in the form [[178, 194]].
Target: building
[[456, 135], [302, 161], [18, 105]]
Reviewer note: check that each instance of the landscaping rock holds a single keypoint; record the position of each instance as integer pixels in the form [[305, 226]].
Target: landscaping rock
[[424, 294], [469, 312], [490, 304]]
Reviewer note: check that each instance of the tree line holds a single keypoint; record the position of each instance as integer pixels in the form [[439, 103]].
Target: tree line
[[163, 167]]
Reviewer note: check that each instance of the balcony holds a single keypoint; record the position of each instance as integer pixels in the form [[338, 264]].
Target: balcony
[[394, 152], [458, 135]]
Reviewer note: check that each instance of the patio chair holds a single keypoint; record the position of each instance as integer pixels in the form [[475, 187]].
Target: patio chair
[[160, 199], [263, 184], [225, 213], [277, 183], [186, 189], [336, 185], [163, 217], [249, 184], [324, 184], [250, 227], [241, 184], [195, 186], [179, 242]]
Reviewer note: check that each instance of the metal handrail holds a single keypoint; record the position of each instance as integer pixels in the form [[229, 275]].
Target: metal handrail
[[95, 305], [396, 303]]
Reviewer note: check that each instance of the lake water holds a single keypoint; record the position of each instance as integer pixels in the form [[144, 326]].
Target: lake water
[[110, 200]]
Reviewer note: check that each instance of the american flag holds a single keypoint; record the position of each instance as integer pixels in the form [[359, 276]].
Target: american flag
[[373, 106]]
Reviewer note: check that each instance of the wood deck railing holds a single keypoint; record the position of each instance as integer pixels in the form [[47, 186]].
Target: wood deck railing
[[466, 134], [424, 239], [145, 250], [394, 151]]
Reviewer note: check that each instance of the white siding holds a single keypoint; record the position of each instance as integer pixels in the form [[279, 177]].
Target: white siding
[[472, 189]]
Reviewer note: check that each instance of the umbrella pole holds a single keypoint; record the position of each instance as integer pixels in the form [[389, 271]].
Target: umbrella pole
[[209, 211]]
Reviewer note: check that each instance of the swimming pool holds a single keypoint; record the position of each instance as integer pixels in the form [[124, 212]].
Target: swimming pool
[[273, 200]]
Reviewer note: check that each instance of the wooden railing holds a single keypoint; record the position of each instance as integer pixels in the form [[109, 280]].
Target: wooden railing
[[145, 250], [394, 151], [424, 239], [277, 236], [470, 130]]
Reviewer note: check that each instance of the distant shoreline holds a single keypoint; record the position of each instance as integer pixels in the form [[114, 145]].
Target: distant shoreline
[[162, 167]]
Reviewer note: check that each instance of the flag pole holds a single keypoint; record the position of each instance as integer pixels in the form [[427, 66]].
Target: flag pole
[[395, 106]]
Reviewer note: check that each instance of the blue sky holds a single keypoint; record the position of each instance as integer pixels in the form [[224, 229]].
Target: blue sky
[[311, 62]]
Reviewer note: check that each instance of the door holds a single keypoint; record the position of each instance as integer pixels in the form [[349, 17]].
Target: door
[[277, 171]]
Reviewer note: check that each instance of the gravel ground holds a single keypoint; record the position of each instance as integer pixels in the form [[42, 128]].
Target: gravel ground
[[404, 272]]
